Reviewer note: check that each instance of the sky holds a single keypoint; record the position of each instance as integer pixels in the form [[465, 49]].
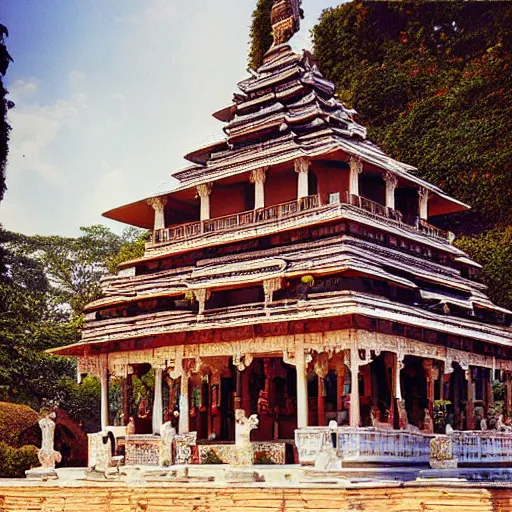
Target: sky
[[110, 94]]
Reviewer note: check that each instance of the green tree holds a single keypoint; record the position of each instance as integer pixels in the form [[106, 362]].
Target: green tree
[[44, 284], [5, 59], [261, 33]]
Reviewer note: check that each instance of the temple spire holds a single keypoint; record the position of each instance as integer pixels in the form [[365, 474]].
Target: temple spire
[[285, 18]]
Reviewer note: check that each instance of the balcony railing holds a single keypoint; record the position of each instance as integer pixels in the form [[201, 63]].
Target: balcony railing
[[251, 217], [281, 211], [396, 216]]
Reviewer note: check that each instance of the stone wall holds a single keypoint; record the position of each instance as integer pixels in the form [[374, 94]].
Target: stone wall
[[18, 496]]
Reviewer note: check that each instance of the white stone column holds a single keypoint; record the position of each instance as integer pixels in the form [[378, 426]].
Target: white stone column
[[398, 369], [158, 204], [204, 192], [354, 388], [104, 396], [302, 389], [356, 168], [423, 195], [184, 409], [157, 417], [391, 182], [302, 169], [258, 177]]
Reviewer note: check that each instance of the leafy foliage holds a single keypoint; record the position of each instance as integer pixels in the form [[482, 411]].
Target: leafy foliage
[[5, 105], [14, 420], [44, 284], [15, 461], [494, 249], [433, 83], [261, 33]]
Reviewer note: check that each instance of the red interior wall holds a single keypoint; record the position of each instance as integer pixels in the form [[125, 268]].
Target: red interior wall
[[226, 200]]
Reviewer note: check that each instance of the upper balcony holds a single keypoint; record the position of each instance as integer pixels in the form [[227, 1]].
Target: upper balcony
[[271, 200]]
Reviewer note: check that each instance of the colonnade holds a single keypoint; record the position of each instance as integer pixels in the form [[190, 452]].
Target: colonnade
[[302, 166]]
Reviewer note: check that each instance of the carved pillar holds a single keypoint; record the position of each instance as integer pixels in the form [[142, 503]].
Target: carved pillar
[[470, 404], [321, 368], [158, 204], [184, 405], [391, 182], [356, 168], [423, 195], [246, 392], [258, 177], [302, 388], [340, 373], [204, 192], [127, 396], [238, 390], [489, 399], [429, 376], [355, 413], [302, 169], [508, 393], [202, 295], [399, 367], [157, 416], [104, 394]]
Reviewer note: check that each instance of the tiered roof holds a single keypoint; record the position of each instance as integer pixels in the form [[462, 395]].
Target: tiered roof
[[284, 111]]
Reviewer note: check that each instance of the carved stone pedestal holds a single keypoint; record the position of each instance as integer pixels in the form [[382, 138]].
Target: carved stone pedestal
[[441, 453], [41, 474]]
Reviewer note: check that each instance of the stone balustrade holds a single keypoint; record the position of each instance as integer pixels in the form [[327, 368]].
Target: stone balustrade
[[370, 445]]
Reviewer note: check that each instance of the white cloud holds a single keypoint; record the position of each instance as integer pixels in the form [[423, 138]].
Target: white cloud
[[35, 128], [157, 12], [23, 88], [110, 188]]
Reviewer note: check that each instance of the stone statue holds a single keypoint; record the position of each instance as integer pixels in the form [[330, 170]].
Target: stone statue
[[167, 433], [130, 428], [483, 425], [376, 419], [47, 456], [243, 428], [327, 458], [428, 423], [501, 426]]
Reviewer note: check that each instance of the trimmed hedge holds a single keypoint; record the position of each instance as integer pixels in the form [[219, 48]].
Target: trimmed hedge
[[15, 419], [15, 461]]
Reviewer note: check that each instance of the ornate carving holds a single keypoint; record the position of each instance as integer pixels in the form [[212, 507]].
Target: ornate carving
[[47, 455], [258, 175], [158, 203], [202, 296], [390, 179], [302, 164], [423, 193], [356, 164], [270, 286], [204, 190]]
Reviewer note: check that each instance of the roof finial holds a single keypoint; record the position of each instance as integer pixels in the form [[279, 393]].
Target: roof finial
[[285, 18]]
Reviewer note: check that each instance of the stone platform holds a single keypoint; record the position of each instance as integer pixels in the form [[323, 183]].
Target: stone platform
[[290, 489]]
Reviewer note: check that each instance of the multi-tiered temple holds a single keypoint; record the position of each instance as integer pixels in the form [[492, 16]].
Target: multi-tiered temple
[[294, 273]]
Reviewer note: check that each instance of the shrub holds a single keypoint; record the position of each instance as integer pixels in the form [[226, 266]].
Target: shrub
[[15, 419], [15, 461]]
